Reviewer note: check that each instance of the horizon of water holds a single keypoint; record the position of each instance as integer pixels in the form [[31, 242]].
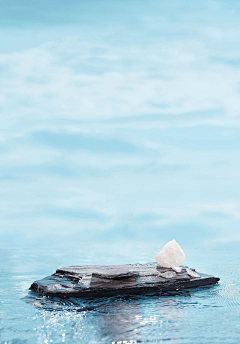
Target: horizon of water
[[120, 131]]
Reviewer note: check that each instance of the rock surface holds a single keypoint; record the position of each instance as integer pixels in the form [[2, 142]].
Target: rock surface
[[171, 255], [96, 281]]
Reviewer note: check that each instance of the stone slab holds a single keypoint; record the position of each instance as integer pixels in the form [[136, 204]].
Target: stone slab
[[97, 281]]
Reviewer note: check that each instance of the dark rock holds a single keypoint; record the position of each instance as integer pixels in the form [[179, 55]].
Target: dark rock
[[96, 280]]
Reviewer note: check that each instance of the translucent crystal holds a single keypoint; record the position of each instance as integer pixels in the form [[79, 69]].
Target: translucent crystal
[[177, 269], [168, 274], [171, 255], [192, 273]]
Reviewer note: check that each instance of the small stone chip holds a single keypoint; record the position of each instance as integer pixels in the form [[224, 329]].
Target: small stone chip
[[177, 269], [168, 274], [192, 273]]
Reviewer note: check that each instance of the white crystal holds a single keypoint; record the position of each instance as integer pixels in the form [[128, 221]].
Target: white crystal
[[168, 274], [171, 255], [177, 269], [192, 273]]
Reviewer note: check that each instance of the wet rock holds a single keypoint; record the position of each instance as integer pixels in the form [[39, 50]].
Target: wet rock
[[96, 280]]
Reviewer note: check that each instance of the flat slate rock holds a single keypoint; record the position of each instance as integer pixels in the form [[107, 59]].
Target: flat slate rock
[[97, 280]]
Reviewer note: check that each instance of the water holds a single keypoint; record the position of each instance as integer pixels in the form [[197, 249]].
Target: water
[[119, 131], [203, 315]]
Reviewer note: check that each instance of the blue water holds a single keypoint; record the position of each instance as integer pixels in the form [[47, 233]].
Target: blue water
[[204, 315], [119, 131]]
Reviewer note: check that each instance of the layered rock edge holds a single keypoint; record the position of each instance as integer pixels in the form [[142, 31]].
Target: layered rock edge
[[99, 281]]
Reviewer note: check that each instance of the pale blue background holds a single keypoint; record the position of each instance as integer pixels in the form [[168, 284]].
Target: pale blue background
[[119, 122]]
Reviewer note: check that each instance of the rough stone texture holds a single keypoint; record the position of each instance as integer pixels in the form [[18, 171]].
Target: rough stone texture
[[171, 255], [95, 280]]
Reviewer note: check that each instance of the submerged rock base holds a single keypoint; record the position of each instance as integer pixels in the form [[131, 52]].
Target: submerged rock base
[[97, 281]]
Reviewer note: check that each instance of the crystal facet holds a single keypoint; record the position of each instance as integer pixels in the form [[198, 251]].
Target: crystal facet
[[171, 255], [192, 273]]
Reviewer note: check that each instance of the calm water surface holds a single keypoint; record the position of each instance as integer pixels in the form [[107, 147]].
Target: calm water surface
[[203, 315]]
